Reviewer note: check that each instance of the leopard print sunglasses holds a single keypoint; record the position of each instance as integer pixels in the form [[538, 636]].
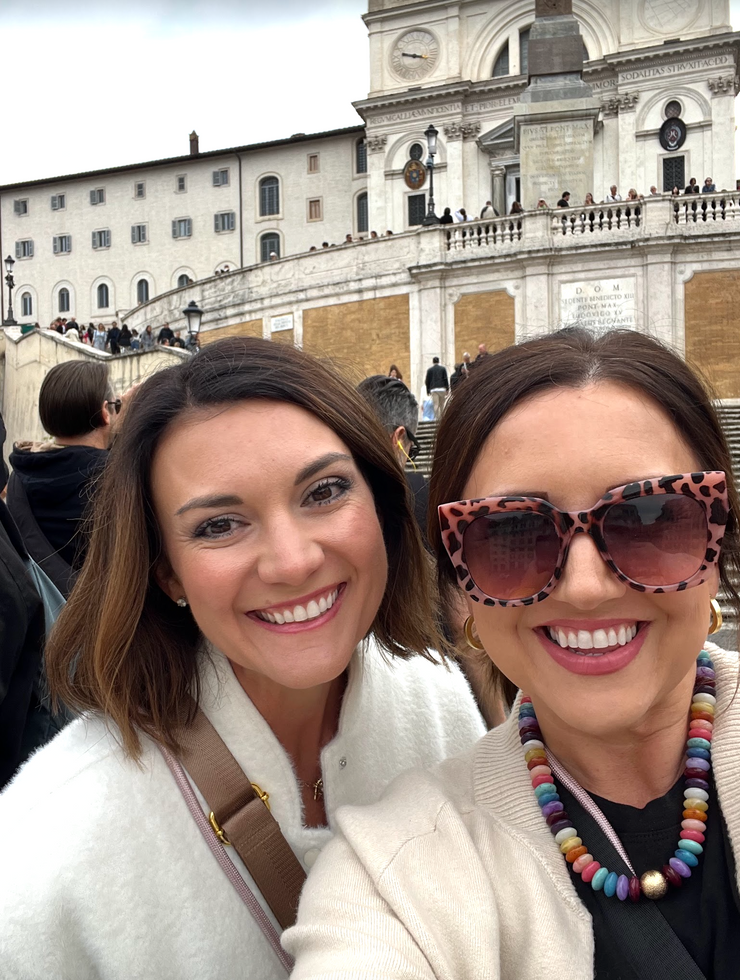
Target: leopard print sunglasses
[[657, 535]]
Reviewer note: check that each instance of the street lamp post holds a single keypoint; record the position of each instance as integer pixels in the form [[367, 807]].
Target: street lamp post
[[430, 218], [193, 315], [10, 321]]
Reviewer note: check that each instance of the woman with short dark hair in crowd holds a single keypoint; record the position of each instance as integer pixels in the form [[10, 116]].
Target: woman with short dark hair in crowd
[[254, 608], [584, 505]]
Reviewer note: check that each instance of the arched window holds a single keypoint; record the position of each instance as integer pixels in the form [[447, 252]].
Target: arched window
[[501, 67], [183, 280], [64, 300], [269, 242], [26, 305], [362, 216], [103, 298], [269, 196], [142, 291], [524, 52], [361, 156]]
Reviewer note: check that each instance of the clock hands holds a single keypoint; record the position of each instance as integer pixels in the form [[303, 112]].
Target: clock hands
[[406, 54]]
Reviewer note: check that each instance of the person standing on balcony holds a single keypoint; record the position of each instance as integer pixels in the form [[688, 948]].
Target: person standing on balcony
[[613, 196], [708, 187], [692, 187], [489, 211], [446, 218], [564, 201], [437, 384]]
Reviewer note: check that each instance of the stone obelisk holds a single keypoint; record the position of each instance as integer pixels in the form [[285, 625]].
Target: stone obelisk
[[556, 118]]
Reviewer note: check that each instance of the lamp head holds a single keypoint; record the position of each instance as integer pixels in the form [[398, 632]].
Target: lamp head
[[9, 263], [193, 315], [431, 134]]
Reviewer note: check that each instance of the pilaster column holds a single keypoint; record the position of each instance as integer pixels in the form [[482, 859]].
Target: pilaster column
[[498, 187], [379, 200], [455, 185], [627, 156]]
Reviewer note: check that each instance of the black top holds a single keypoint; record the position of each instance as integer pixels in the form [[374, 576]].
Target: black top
[[436, 378], [704, 913], [446, 219], [57, 483]]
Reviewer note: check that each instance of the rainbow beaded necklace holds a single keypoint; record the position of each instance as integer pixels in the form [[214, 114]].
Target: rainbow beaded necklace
[[653, 884]]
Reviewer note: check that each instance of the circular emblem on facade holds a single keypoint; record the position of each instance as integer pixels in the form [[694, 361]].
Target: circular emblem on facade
[[416, 152], [669, 16], [415, 55], [672, 109], [415, 174], [672, 134]]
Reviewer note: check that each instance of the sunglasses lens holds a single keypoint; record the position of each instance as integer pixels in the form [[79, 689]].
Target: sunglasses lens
[[511, 555], [657, 540]]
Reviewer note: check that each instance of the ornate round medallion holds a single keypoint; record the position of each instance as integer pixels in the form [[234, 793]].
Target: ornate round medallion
[[415, 55], [415, 174], [672, 134]]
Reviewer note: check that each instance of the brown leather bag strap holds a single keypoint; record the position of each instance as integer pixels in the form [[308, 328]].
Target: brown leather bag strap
[[244, 819]]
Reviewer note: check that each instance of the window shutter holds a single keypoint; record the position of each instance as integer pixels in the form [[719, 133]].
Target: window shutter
[[101, 196], [93, 197], [174, 229], [17, 207], [107, 238], [190, 226], [18, 249], [30, 250], [133, 234], [216, 178], [216, 223], [54, 205], [232, 221]]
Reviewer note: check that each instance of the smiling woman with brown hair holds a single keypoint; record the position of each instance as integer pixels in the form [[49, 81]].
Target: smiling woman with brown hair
[[255, 578], [586, 510]]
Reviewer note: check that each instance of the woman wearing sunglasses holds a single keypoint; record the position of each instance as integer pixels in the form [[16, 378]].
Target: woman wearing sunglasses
[[249, 645], [587, 512]]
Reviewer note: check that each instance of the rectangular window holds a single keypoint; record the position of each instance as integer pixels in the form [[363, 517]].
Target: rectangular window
[[221, 178], [101, 239], [313, 163], [361, 157], [226, 221], [140, 189], [315, 212], [24, 249], [21, 207], [182, 228], [138, 234], [97, 196], [58, 202], [417, 208], [62, 244], [674, 173], [181, 183]]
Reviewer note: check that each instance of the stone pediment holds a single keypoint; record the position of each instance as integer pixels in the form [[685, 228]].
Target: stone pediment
[[499, 140]]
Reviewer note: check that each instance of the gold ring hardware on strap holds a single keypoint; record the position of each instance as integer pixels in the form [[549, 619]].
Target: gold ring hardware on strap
[[265, 797], [219, 832]]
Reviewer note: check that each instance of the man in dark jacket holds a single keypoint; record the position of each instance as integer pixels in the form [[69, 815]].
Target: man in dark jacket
[[437, 385], [166, 333], [49, 489]]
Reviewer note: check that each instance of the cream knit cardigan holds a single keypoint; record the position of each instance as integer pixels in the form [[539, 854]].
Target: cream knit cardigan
[[454, 874], [103, 872]]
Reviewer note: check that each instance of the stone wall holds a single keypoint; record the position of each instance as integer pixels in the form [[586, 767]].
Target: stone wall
[[483, 318], [248, 328], [712, 323]]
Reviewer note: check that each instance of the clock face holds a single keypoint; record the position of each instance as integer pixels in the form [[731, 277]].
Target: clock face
[[415, 55]]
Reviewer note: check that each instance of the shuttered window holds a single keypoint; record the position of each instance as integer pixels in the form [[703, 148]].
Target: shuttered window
[[224, 221], [269, 196], [24, 249], [182, 228], [103, 297], [64, 300], [97, 196], [362, 213], [101, 239], [269, 242]]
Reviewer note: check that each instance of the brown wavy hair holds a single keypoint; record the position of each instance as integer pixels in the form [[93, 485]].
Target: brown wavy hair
[[120, 645], [574, 358]]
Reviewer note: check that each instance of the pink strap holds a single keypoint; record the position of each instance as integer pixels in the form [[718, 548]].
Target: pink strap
[[242, 889], [589, 805]]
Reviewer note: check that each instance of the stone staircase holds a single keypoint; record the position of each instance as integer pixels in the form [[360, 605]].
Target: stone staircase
[[730, 418]]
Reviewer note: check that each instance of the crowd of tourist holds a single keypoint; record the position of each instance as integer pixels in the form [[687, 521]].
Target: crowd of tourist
[[121, 340], [489, 699]]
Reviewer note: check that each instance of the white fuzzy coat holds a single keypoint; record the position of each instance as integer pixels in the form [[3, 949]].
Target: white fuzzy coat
[[454, 875], [103, 872]]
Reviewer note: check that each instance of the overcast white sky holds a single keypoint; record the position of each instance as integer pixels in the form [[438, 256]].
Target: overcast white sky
[[88, 84]]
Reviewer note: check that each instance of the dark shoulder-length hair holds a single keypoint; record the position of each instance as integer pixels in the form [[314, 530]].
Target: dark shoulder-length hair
[[574, 358], [120, 645]]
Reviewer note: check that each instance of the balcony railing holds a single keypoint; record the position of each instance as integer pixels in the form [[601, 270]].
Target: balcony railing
[[646, 218]]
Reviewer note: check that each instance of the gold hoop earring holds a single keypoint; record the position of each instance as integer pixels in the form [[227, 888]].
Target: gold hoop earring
[[473, 640], [716, 613]]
